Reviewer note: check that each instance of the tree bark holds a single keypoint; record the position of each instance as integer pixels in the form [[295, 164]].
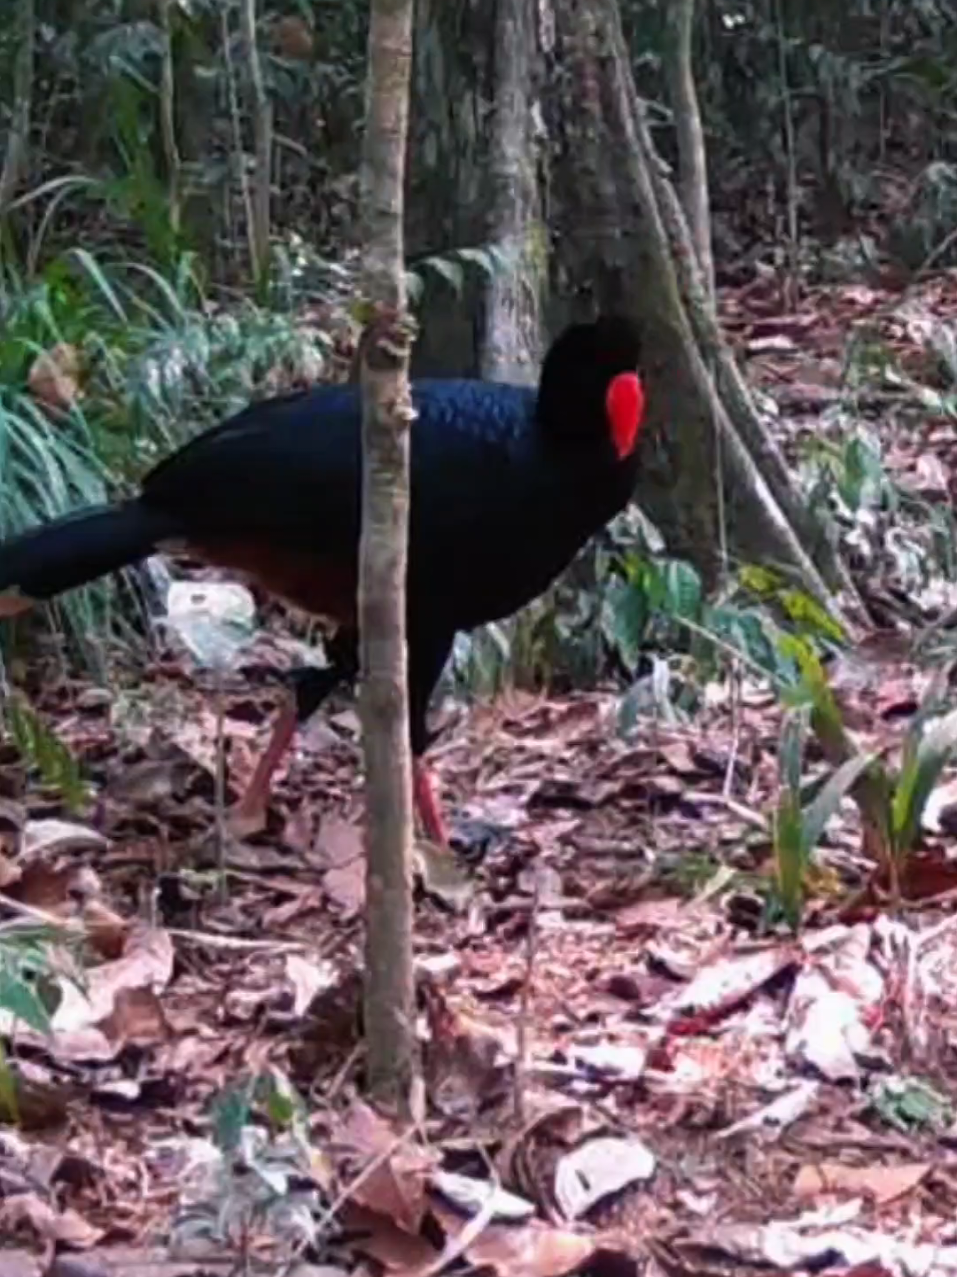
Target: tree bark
[[261, 115], [167, 103], [692, 151], [511, 340], [711, 478], [383, 699], [18, 139], [476, 159]]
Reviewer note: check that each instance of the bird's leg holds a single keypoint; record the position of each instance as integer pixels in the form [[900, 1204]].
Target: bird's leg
[[430, 811], [249, 814], [310, 688]]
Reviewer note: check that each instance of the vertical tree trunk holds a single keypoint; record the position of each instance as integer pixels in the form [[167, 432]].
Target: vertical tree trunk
[[18, 139], [383, 700], [167, 103], [261, 114], [511, 341], [692, 152], [475, 160]]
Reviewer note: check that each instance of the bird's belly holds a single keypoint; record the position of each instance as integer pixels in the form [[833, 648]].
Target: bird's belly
[[323, 585]]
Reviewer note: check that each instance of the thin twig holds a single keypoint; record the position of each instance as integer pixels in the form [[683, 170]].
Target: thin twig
[[524, 1009]]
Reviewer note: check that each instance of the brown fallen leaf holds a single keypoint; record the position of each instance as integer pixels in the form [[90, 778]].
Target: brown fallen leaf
[[30, 1212], [521, 1250], [54, 378], [339, 850], [881, 1183], [380, 1239], [394, 1172], [137, 1019]]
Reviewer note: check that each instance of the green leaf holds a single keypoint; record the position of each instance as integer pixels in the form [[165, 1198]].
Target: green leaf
[[625, 617], [790, 856], [231, 1112], [20, 999], [92, 267], [451, 272], [828, 799], [791, 749], [917, 779], [682, 589]]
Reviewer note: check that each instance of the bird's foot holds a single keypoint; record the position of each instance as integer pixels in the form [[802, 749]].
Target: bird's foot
[[248, 817]]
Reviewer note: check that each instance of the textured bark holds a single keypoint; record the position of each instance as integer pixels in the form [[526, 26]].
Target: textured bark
[[383, 698], [692, 153], [18, 139], [711, 480], [168, 117], [260, 109], [511, 341], [475, 180]]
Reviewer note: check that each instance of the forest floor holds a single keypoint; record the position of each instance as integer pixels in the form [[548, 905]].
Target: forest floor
[[689, 1097]]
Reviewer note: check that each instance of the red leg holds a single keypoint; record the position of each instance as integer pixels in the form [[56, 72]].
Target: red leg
[[250, 812], [429, 810]]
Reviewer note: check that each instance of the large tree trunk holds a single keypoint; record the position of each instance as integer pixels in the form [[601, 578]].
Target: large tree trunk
[[712, 480], [383, 700]]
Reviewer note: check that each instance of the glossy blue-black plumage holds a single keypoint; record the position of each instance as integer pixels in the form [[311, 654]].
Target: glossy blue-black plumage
[[496, 508], [507, 484]]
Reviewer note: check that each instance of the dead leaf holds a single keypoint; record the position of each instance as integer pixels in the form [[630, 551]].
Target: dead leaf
[[597, 1169], [339, 849], [881, 1183], [54, 378], [48, 838], [69, 1228], [394, 1172], [307, 979], [380, 1239], [523, 1250]]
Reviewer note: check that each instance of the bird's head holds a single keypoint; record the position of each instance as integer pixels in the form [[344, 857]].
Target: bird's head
[[590, 391]]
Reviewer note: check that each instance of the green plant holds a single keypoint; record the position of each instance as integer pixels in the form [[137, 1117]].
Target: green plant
[[24, 967], [891, 803], [260, 1178], [41, 748], [797, 828]]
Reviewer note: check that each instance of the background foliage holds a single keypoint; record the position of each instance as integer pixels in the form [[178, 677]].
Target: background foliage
[[128, 190]]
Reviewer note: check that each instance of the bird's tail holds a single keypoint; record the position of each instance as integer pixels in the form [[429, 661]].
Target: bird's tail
[[78, 548]]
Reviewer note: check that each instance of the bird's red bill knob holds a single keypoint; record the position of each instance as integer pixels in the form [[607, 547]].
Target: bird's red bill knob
[[625, 405]]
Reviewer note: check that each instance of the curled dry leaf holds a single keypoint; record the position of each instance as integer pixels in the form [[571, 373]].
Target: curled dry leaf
[[473, 1196], [308, 979], [394, 1172], [54, 378], [523, 1250], [597, 1169], [881, 1184], [29, 1212], [43, 839]]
